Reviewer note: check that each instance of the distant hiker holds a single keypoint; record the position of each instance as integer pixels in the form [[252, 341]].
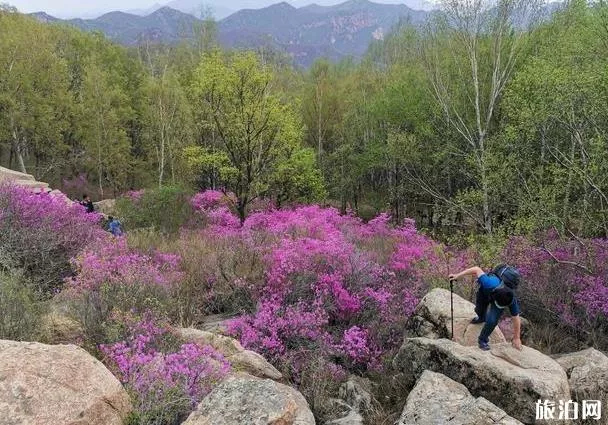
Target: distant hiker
[[87, 203], [497, 291], [114, 226]]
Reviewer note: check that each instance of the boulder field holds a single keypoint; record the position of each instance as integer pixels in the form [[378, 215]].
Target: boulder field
[[449, 381]]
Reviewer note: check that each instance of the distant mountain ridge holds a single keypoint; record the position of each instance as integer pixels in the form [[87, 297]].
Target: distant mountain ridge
[[165, 25], [309, 32], [305, 33], [222, 9]]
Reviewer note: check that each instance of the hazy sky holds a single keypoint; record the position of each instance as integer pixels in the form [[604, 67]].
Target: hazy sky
[[78, 7]]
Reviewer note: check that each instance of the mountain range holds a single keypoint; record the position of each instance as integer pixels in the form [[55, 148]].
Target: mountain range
[[305, 33], [221, 9]]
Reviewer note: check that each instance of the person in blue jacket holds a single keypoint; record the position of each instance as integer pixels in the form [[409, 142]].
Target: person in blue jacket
[[114, 226], [493, 297]]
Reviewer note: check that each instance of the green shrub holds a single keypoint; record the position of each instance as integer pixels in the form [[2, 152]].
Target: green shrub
[[21, 312], [165, 209]]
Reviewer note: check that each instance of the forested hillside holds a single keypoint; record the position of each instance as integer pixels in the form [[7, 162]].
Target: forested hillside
[[480, 128]]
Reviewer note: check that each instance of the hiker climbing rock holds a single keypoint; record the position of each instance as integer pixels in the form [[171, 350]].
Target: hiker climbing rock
[[496, 292]]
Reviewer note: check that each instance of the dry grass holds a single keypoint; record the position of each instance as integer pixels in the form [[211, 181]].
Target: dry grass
[[219, 273]]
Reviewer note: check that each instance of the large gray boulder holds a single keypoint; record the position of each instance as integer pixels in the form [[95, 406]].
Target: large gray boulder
[[511, 379], [245, 399], [432, 319], [240, 359], [437, 399], [587, 372], [57, 384]]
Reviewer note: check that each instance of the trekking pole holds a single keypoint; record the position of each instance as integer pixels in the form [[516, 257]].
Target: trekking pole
[[452, 305]]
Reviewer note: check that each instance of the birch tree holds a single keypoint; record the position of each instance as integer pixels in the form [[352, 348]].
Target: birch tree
[[33, 89], [104, 111], [168, 122], [470, 53]]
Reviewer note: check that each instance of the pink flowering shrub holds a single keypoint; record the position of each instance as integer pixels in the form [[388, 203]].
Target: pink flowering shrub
[[166, 378], [566, 280], [214, 208], [40, 233], [134, 195], [208, 199], [325, 290], [111, 278], [112, 262]]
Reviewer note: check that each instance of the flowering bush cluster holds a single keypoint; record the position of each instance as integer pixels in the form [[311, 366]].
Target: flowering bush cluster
[[40, 233], [111, 262], [317, 292], [112, 278], [214, 207], [565, 278], [134, 195], [166, 378], [332, 284], [203, 201]]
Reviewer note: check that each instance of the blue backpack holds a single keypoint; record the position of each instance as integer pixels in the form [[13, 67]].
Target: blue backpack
[[508, 275]]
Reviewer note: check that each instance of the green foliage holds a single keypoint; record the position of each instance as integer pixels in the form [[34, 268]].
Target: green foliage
[[465, 130], [33, 90], [104, 109], [164, 209], [297, 179], [21, 309], [209, 168], [251, 123], [168, 126], [555, 126]]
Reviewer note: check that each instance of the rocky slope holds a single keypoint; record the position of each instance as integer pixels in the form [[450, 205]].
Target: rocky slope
[[448, 383]]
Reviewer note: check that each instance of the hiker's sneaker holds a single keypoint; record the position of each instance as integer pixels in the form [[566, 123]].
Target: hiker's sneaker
[[477, 320], [484, 346]]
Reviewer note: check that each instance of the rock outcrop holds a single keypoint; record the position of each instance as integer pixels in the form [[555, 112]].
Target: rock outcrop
[[106, 206], [511, 379], [28, 181], [437, 399], [587, 372], [432, 319], [245, 399], [355, 399], [22, 179], [57, 384], [240, 359], [356, 392]]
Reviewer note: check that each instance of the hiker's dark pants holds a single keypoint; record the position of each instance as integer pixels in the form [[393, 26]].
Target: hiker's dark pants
[[491, 314]]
